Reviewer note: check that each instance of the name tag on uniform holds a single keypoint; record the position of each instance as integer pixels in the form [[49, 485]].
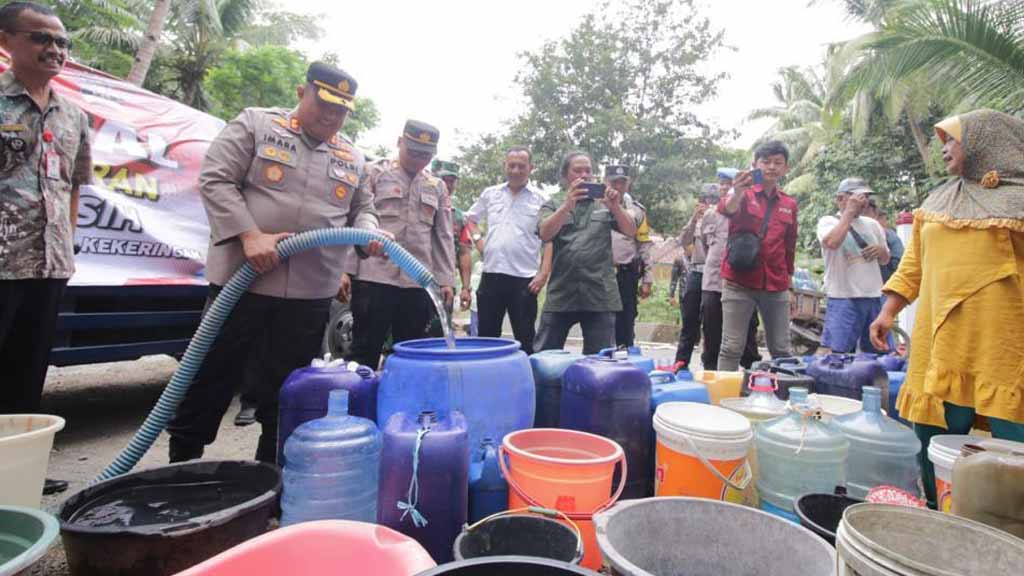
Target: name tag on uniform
[[52, 166]]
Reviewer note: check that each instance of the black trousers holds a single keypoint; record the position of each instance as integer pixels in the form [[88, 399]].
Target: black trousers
[[380, 308], [501, 293], [262, 341], [28, 323], [689, 309], [711, 304], [628, 277]]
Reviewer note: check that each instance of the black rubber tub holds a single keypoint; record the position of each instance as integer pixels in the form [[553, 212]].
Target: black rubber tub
[[821, 513], [161, 521], [520, 535], [508, 566]]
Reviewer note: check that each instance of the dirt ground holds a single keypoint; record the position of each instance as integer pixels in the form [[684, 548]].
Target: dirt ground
[[104, 404]]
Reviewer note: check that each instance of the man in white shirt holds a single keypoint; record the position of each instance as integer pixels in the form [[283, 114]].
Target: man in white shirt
[[513, 271], [853, 246]]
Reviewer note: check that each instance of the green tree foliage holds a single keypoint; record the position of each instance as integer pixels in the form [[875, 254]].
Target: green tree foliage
[[106, 32], [964, 53], [621, 85], [265, 76]]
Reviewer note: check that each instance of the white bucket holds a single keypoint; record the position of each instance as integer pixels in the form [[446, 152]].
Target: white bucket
[[702, 452], [884, 540], [25, 443], [943, 450]]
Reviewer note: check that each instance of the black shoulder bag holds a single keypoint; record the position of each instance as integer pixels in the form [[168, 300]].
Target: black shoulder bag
[[745, 247]]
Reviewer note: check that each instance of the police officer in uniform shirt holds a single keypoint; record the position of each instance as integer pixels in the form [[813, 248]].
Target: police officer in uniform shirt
[[270, 173], [632, 256], [414, 206]]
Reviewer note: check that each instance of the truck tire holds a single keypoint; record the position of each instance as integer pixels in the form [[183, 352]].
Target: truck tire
[[338, 334]]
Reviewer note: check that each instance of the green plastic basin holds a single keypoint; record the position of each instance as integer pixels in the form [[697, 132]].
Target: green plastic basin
[[25, 536]]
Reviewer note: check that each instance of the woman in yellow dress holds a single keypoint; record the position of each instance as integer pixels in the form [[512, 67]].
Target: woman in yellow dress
[[965, 268]]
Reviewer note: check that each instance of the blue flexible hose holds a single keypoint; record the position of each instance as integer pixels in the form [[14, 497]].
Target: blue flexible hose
[[218, 313]]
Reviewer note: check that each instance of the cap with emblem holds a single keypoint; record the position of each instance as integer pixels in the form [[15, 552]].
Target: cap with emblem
[[421, 136], [853, 186], [442, 168], [615, 171], [335, 86]]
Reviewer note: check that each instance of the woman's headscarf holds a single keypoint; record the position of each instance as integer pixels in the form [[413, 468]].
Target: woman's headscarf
[[990, 193]]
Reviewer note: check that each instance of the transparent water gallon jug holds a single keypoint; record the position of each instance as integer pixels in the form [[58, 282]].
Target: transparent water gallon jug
[[762, 403], [882, 451], [332, 468], [798, 453]]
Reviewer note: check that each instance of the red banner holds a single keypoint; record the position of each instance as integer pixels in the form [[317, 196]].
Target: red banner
[[141, 222]]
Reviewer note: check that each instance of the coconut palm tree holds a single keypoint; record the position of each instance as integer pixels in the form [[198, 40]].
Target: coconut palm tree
[[963, 53], [801, 118]]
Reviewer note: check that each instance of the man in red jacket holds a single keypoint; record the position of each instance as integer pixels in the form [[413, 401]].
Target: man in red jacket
[[760, 255]]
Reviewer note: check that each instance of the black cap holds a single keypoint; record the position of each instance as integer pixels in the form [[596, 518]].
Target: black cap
[[421, 136], [613, 171], [334, 85]]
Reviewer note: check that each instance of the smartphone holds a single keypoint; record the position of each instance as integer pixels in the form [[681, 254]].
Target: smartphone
[[595, 190], [758, 175]]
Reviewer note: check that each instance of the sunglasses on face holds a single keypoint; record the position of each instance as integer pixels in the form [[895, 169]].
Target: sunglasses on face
[[45, 39], [420, 155]]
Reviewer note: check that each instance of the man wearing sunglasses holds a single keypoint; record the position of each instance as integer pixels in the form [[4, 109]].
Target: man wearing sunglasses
[[44, 159], [415, 207]]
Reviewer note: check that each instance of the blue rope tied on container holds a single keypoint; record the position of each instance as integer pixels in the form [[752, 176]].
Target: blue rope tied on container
[[412, 497]]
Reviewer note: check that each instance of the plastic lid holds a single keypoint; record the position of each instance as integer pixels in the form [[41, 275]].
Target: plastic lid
[[944, 449], [703, 419], [763, 382]]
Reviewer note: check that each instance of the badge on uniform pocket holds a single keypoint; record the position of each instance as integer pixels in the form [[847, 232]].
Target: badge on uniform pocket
[[340, 191], [273, 173]]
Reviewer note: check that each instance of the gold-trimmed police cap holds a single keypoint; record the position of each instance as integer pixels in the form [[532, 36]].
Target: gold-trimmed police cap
[[334, 86], [616, 171], [421, 136]]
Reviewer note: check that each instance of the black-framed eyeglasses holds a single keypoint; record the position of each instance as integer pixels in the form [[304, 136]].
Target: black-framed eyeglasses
[[45, 39]]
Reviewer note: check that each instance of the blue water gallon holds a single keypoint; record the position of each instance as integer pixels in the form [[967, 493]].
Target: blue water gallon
[[846, 375], [896, 380], [488, 380], [612, 398], [488, 491], [787, 372], [667, 387], [424, 479], [332, 467], [303, 396], [548, 367], [798, 454], [882, 451], [631, 353]]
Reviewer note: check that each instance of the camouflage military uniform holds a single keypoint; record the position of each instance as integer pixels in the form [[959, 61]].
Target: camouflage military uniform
[[44, 156]]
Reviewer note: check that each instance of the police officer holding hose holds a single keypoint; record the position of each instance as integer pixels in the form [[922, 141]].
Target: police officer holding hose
[[270, 173]]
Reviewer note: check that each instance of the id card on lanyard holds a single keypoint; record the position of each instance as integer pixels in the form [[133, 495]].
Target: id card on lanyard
[[51, 159]]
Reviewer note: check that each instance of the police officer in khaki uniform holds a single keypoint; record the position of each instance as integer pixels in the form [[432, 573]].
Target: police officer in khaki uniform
[[270, 173], [414, 206], [632, 257]]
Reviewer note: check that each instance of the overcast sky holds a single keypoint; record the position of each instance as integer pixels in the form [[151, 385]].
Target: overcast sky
[[452, 62]]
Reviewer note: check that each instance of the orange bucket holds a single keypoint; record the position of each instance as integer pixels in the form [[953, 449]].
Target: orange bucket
[[702, 452], [566, 470]]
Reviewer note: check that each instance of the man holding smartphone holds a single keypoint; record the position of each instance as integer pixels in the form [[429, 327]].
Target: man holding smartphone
[[582, 289], [853, 246], [634, 272], [760, 255]]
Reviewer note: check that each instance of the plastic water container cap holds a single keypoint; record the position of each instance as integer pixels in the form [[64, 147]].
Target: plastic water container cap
[[326, 362], [620, 354], [337, 402], [944, 449], [763, 382]]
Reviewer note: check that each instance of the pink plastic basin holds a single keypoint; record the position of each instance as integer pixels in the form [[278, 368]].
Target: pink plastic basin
[[318, 548]]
